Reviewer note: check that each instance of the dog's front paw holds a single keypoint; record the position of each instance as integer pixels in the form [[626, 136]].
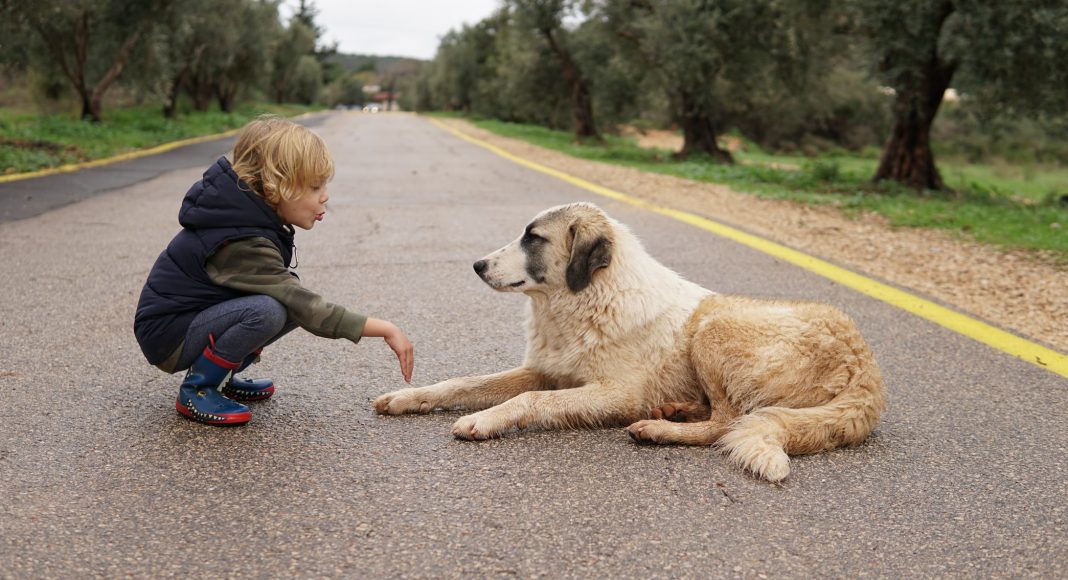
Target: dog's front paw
[[647, 431], [473, 428], [402, 401]]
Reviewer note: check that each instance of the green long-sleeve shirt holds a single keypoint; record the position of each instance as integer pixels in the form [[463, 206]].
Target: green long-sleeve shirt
[[255, 266]]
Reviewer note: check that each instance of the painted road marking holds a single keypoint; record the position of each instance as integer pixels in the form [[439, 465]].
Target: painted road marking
[[1006, 342]]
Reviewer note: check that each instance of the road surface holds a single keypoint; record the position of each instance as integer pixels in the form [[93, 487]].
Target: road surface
[[965, 476]]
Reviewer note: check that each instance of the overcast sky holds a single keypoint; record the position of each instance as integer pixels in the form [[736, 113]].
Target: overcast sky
[[394, 27]]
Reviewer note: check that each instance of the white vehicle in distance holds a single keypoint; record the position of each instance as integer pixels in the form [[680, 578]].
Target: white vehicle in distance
[[372, 107]]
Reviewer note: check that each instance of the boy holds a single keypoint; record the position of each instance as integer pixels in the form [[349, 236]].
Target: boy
[[222, 289]]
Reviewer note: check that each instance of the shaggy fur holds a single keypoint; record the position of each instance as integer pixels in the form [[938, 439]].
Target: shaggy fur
[[614, 337]]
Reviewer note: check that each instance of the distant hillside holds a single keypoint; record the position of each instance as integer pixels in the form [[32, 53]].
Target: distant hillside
[[378, 64]]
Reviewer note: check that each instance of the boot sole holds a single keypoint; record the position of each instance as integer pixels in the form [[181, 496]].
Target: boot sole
[[229, 420], [239, 395]]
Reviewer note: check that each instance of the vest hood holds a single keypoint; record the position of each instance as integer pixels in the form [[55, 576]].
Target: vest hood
[[221, 200]]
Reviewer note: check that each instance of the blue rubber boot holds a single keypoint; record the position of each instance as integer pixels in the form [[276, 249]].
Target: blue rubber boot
[[242, 389], [199, 398]]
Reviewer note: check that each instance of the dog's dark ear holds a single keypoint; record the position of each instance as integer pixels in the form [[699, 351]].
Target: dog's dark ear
[[591, 250]]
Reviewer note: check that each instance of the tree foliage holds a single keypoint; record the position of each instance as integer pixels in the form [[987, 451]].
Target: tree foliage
[[170, 50], [785, 74]]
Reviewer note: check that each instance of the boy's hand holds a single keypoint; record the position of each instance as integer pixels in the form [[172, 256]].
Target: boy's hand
[[396, 340], [405, 354]]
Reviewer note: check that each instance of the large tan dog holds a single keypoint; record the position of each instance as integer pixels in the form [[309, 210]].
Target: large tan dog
[[615, 337]]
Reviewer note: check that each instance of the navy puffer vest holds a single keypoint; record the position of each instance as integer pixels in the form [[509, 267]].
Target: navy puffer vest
[[216, 210]]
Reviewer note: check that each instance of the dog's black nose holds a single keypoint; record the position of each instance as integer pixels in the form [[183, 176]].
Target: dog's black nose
[[480, 267]]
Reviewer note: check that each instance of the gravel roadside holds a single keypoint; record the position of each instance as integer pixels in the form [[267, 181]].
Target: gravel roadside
[[1024, 292]]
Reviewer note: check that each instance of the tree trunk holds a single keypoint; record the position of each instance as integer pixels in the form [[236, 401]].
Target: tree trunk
[[90, 108], [201, 92], [226, 100], [73, 67], [201, 100], [907, 157], [581, 103], [115, 69], [170, 106], [699, 134]]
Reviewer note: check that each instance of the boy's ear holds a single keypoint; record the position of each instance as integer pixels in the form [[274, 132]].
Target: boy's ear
[[591, 250]]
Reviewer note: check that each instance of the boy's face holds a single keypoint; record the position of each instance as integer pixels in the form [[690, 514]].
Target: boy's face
[[305, 211]]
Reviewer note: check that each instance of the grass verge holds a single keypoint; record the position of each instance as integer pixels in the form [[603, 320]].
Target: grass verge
[[986, 210], [29, 142]]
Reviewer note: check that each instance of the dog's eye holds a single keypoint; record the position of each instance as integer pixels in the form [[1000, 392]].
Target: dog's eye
[[531, 238]]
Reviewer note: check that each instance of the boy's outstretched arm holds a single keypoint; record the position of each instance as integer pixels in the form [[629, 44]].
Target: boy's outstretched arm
[[396, 340], [255, 265]]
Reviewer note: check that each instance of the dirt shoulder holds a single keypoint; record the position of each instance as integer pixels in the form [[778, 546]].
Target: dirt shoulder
[[1015, 290]]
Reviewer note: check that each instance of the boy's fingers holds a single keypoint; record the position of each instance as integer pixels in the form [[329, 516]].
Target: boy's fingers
[[406, 363]]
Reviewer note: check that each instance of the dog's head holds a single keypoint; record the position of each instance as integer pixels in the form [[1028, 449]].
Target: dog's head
[[563, 247]]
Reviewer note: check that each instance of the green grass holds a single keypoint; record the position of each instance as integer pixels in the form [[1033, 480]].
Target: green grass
[[29, 142], [1012, 209], [1034, 182]]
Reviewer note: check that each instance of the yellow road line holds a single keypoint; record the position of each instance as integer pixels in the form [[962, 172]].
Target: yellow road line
[[1006, 342], [123, 157]]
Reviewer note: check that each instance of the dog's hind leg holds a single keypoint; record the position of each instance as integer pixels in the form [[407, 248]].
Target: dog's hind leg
[[671, 433], [705, 432], [591, 405], [467, 392]]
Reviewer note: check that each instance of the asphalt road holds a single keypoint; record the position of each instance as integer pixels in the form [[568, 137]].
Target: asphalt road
[[965, 476]]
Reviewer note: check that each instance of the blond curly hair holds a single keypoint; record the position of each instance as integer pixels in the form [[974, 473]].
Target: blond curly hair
[[279, 159]]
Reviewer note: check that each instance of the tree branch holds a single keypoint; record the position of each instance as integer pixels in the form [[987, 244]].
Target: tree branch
[[120, 61]]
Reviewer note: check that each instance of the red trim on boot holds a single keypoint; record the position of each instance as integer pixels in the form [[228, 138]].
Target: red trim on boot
[[210, 355]]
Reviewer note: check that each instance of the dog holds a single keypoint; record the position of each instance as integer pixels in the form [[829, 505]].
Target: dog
[[615, 338]]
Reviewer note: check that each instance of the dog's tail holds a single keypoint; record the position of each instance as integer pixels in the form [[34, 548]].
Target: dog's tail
[[762, 441]]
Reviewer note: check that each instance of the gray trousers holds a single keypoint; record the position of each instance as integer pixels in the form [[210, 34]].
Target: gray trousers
[[239, 327]]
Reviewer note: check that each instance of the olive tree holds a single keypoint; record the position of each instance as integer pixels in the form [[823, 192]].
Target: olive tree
[[90, 41], [705, 53], [1007, 54], [465, 59], [545, 17], [287, 61]]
